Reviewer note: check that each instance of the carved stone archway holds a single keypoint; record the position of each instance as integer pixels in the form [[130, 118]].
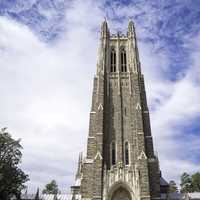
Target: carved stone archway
[[121, 194]]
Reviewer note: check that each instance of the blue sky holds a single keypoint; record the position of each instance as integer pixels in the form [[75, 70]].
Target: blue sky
[[48, 59]]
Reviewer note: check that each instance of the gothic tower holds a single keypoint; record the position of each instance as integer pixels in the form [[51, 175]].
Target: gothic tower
[[120, 161]]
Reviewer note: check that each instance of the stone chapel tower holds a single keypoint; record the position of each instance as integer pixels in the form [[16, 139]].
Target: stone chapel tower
[[120, 163]]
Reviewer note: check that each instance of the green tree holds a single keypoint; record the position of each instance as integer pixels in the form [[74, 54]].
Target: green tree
[[172, 187], [51, 188], [12, 178], [186, 183], [196, 182]]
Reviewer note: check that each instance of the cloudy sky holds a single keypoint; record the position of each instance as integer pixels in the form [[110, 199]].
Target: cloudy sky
[[48, 54]]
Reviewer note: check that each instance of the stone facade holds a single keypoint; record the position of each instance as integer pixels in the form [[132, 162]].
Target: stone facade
[[120, 161]]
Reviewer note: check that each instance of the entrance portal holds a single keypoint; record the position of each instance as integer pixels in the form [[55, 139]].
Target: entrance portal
[[121, 194]]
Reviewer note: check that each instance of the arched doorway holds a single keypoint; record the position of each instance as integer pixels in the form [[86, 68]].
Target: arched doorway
[[121, 194]]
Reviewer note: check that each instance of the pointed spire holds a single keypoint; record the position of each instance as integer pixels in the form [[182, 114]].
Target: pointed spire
[[37, 195], [79, 170], [104, 29], [55, 197], [104, 41], [134, 58], [131, 29], [26, 190]]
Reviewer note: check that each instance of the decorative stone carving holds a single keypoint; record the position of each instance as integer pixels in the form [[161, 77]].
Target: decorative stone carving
[[100, 107]]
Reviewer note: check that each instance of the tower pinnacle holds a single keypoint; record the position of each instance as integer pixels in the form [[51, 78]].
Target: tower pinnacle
[[104, 29], [131, 29], [78, 173]]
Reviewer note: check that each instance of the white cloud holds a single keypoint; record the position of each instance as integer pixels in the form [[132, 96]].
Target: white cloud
[[46, 93], [177, 148], [43, 90]]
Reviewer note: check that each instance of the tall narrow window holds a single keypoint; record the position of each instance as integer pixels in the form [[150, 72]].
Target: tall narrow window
[[126, 153], [123, 60], [113, 61], [113, 153]]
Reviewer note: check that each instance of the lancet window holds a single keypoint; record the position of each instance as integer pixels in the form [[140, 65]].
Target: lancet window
[[126, 152], [113, 153], [123, 60], [113, 60]]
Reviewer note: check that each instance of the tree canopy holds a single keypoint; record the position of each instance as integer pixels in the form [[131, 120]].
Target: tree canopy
[[196, 182], [12, 178], [190, 183], [172, 187], [51, 188]]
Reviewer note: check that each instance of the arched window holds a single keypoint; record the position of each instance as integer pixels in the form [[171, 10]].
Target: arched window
[[123, 60], [126, 152], [121, 193], [113, 153], [113, 61]]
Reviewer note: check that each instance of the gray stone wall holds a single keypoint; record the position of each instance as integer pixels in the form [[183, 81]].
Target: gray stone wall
[[119, 114]]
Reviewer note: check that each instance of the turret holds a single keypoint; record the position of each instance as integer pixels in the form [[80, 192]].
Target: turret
[[104, 29], [37, 195], [131, 30], [79, 169], [133, 49], [103, 48]]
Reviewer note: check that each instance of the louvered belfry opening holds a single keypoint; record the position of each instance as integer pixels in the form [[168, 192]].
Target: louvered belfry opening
[[113, 60], [123, 60]]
